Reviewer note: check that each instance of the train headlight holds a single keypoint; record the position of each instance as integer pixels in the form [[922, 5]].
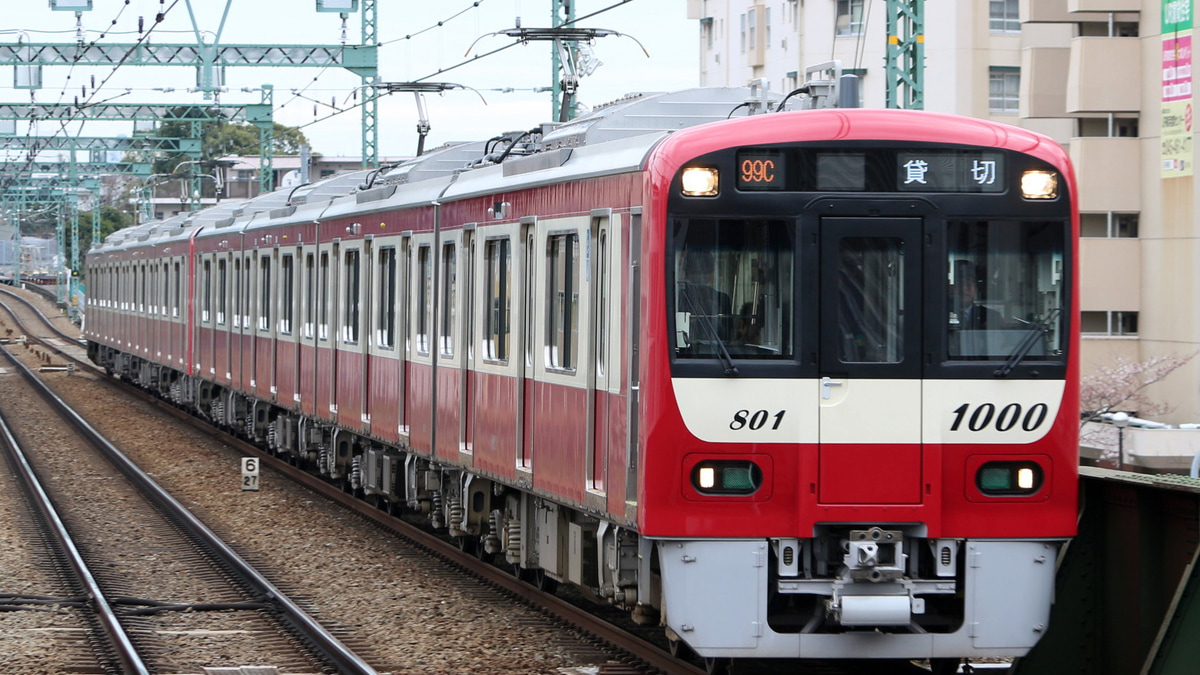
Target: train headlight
[[700, 181], [727, 477], [1000, 479], [1037, 184]]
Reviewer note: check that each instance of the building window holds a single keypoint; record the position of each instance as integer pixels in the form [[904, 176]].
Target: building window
[[1108, 225], [1113, 324], [849, 18], [1004, 87], [1003, 16], [743, 18]]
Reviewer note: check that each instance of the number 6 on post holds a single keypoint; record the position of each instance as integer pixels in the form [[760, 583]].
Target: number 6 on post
[[250, 474]]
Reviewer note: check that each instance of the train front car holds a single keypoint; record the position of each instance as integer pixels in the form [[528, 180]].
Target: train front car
[[863, 438]]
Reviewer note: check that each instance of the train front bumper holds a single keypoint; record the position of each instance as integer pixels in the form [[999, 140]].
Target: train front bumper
[[715, 598]]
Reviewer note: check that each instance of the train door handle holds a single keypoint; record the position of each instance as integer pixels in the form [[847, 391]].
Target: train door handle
[[826, 383]]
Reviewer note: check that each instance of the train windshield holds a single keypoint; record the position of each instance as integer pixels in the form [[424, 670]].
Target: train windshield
[[1006, 290], [733, 288]]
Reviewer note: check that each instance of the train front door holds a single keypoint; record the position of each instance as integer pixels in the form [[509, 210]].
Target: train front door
[[870, 370]]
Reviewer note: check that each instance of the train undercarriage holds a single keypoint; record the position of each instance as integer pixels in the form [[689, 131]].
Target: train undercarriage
[[885, 589]]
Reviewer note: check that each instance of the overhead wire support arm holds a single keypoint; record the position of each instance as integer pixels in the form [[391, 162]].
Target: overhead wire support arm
[[418, 90]]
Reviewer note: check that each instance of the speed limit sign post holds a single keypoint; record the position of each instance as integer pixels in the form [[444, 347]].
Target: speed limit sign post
[[250, 474]]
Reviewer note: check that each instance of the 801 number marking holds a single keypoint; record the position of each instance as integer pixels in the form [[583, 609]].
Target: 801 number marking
[[744, 419], [985, 415]]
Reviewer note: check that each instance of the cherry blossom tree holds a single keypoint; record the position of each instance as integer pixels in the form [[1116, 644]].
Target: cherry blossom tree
[[1122, 387]]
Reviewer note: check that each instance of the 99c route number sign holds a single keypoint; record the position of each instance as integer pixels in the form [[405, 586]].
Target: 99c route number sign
[[761, 171]]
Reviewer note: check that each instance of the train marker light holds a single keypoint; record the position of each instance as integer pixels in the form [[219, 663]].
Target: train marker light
[[1009, 479], [727, 477], [1037, 184], [700, 181]]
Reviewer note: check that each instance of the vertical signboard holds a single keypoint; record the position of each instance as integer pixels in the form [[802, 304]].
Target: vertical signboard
[[1177, 155]]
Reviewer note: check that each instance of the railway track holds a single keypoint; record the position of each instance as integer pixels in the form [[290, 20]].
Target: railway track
[[174, 589], [615, 649]]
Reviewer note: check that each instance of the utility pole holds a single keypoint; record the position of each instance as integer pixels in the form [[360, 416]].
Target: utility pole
[[564, 83], [905, 66]]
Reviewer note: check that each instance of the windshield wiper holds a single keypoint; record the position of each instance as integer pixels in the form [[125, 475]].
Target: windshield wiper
[[722, 353], [1031, 337]]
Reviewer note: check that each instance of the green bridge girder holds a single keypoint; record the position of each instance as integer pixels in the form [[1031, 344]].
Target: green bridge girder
[[253, 113], [1127, 596], [363, 60], [101, 143]]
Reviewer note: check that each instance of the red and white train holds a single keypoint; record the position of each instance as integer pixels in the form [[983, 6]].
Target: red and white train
[[794, 384]]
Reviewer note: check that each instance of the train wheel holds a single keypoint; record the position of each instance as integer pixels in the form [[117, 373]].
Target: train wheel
[[718, 666], [943, 666], [678, 648], [543, 582]]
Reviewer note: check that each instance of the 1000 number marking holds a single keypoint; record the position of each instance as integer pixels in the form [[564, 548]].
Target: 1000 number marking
[[1006, 419]]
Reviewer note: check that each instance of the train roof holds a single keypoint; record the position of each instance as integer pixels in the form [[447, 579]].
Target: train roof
[[613, 138]]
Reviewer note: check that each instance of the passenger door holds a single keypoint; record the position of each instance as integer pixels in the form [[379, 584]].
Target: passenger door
[[870, 369]]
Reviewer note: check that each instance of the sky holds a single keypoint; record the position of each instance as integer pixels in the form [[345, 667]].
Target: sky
[[413, 47]]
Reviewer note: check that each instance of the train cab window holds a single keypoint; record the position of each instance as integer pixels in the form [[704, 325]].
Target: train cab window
[[1005, 290], [352, 298], [870, 300], [562, 302], [497, 334], [733, 288]]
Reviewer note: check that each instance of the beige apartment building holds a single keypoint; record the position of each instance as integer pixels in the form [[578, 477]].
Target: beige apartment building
[[1088, 73]]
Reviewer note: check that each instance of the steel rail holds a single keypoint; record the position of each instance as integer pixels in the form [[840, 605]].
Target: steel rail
[[329, 646], [126, 653]]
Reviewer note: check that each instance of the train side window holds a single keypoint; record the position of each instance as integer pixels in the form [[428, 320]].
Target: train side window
[[178, 285], [350, 316], [264, 293], [237, 292], [288, 297], [449, 282], [562, 301], [206, 296], [323, 300], [385, 330], [499, 300], [166, 289], [310, 288], [222, 290], [246, 297], [424, 293]]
